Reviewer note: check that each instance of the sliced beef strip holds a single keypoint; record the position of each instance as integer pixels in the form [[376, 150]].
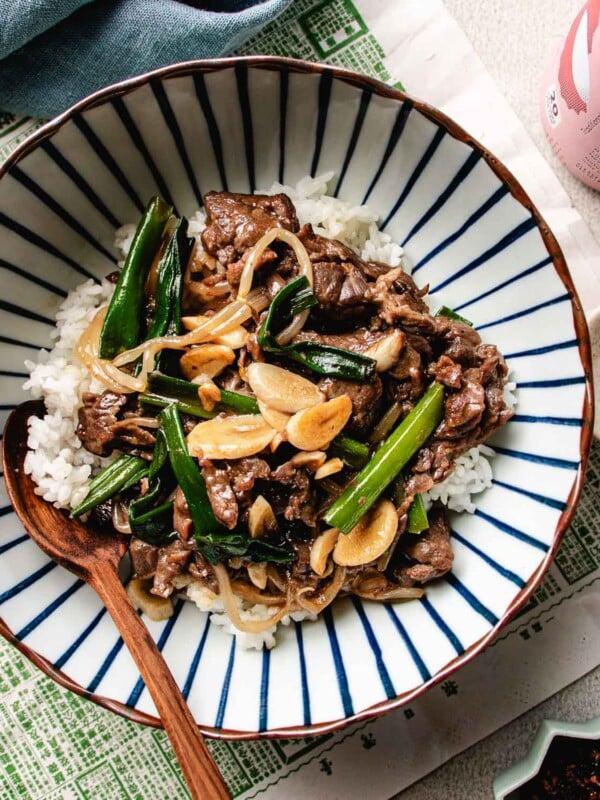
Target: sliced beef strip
[[172, 560], [430, 553], [340, 276], [297, 502], [201, 570], [235, 222], [365, 399], [464, 409], [399, 302], [129, 435], [446, 371], [457, 340], [96, 418], [103, 426], [358, 341], [144, 558], [229, 485], [220, 494], [301, 575]]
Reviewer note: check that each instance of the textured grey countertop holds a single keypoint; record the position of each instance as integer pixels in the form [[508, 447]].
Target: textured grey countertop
[[514, 39]]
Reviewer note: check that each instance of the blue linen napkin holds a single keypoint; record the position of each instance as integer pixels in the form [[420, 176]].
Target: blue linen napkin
[[54, 52]]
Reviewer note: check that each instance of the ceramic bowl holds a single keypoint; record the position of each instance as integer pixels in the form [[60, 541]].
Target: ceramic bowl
[[468, 230], [508, 785]]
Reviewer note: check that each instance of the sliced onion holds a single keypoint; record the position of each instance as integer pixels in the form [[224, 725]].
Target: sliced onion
[[386, 423], [120, 517], [87, 351], [317, 604], [304, 263], [228, 318], [228, 600], [399, 593], [304, 268], [253, 595]]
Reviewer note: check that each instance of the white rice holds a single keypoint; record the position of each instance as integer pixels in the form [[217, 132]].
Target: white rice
[[61, 467]]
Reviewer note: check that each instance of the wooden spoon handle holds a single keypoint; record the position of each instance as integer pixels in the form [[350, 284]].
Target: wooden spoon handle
[[202, 774]]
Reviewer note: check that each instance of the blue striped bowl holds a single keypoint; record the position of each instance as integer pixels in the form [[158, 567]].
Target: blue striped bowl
[[469, 231]]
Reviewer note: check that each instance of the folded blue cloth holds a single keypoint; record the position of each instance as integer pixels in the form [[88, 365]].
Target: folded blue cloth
[[54, 52]]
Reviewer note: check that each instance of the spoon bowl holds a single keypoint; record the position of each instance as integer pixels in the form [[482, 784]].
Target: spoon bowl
[[94, 557]]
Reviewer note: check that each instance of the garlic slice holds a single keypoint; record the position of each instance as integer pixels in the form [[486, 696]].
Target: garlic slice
[[261, 518], [312, 459], [234, 338], [329, 468], [386, 351], [155, 608], [230, 437], [281, 389], [369, 538], [206, 359], [321, 549], [314, 428], [258, 574], [276, 419]]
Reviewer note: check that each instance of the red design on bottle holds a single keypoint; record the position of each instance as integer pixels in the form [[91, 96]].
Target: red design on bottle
[[566, 83]]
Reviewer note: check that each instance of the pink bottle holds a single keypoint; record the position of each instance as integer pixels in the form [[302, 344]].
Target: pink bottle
[[571, 97]]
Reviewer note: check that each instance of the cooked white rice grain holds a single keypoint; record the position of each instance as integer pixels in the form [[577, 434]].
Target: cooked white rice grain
[[208, 601], [355, 226], [57, 462]]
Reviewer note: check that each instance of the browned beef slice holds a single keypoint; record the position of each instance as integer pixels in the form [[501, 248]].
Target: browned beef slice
[[447, 372], [229, 485], [464, 409], [244, 473], [357, 340], [220, 494], [236, 222], [399, 301], [144, 558], [300, 572], [201, 570], [96, 418], [430, 551], [103, 426], [340, 281], [457, 340], [132, 437], [182, 521], [365, 400], [172, 561], [295, 497]]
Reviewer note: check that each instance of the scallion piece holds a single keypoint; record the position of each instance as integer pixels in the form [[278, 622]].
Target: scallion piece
[[444, 311], [188, 474], [394, 453], [121, 328], [353, 453], [179, 389], [185, 406], [123, 473], [417, 516], [323, 359]]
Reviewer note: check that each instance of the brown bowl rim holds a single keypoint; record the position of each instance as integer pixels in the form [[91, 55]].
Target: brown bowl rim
[[278, 63]]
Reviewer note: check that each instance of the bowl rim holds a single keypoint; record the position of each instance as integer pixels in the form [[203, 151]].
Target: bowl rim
[[277, 64]]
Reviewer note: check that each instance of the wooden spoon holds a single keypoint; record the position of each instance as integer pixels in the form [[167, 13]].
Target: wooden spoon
[[94, 557]]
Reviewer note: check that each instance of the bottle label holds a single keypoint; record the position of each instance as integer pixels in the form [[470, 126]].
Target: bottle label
[[552, 109], [570, 97]]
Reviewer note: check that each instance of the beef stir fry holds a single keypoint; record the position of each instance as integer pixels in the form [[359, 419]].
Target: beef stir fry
[[280, 406]]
